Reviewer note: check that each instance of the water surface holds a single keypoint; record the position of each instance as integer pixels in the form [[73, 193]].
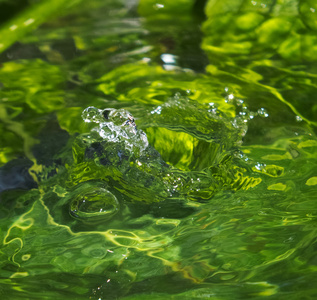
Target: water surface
[[158, 150]]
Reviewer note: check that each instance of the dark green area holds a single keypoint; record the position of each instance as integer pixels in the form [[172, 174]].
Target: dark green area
[[196, 176]]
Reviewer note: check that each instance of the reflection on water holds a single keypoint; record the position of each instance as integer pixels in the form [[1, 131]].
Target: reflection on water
[[193, 173]]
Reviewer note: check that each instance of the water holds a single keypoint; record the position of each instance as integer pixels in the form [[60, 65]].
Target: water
[[158, 150]]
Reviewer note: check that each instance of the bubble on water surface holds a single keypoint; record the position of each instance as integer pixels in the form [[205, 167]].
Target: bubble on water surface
[[94, 204]]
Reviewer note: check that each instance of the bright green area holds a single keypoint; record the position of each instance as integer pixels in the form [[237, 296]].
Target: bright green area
[[221, 204], [17, 27]]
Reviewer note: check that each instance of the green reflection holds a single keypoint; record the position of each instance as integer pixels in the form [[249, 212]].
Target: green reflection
[[221, 204]]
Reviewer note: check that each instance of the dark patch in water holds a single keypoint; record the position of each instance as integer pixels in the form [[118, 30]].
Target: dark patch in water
[[15, 175]]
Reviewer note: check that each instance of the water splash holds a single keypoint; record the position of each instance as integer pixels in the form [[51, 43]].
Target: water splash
[[117, 126], [118, 153]]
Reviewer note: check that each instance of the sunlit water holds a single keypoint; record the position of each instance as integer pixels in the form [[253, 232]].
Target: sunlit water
[[161, 150]]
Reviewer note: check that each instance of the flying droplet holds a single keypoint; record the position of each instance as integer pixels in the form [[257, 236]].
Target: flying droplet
[[262, 112], [299, 119]]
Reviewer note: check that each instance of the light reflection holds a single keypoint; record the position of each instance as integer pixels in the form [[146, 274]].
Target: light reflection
[[168, 58], [158, 111], [146, 59], [260, 166], [169, 61], [158, 6], [168, 67], [28, 22], [13, 27]]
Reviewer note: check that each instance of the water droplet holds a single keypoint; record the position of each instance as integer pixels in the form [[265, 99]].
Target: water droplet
[[119, 117], [298, 119], [262, 112], [260, 166], [92, 114], [157, 110], [239, 102]]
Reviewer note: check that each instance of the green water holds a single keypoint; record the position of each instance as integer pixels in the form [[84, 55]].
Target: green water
[[158, 149]]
